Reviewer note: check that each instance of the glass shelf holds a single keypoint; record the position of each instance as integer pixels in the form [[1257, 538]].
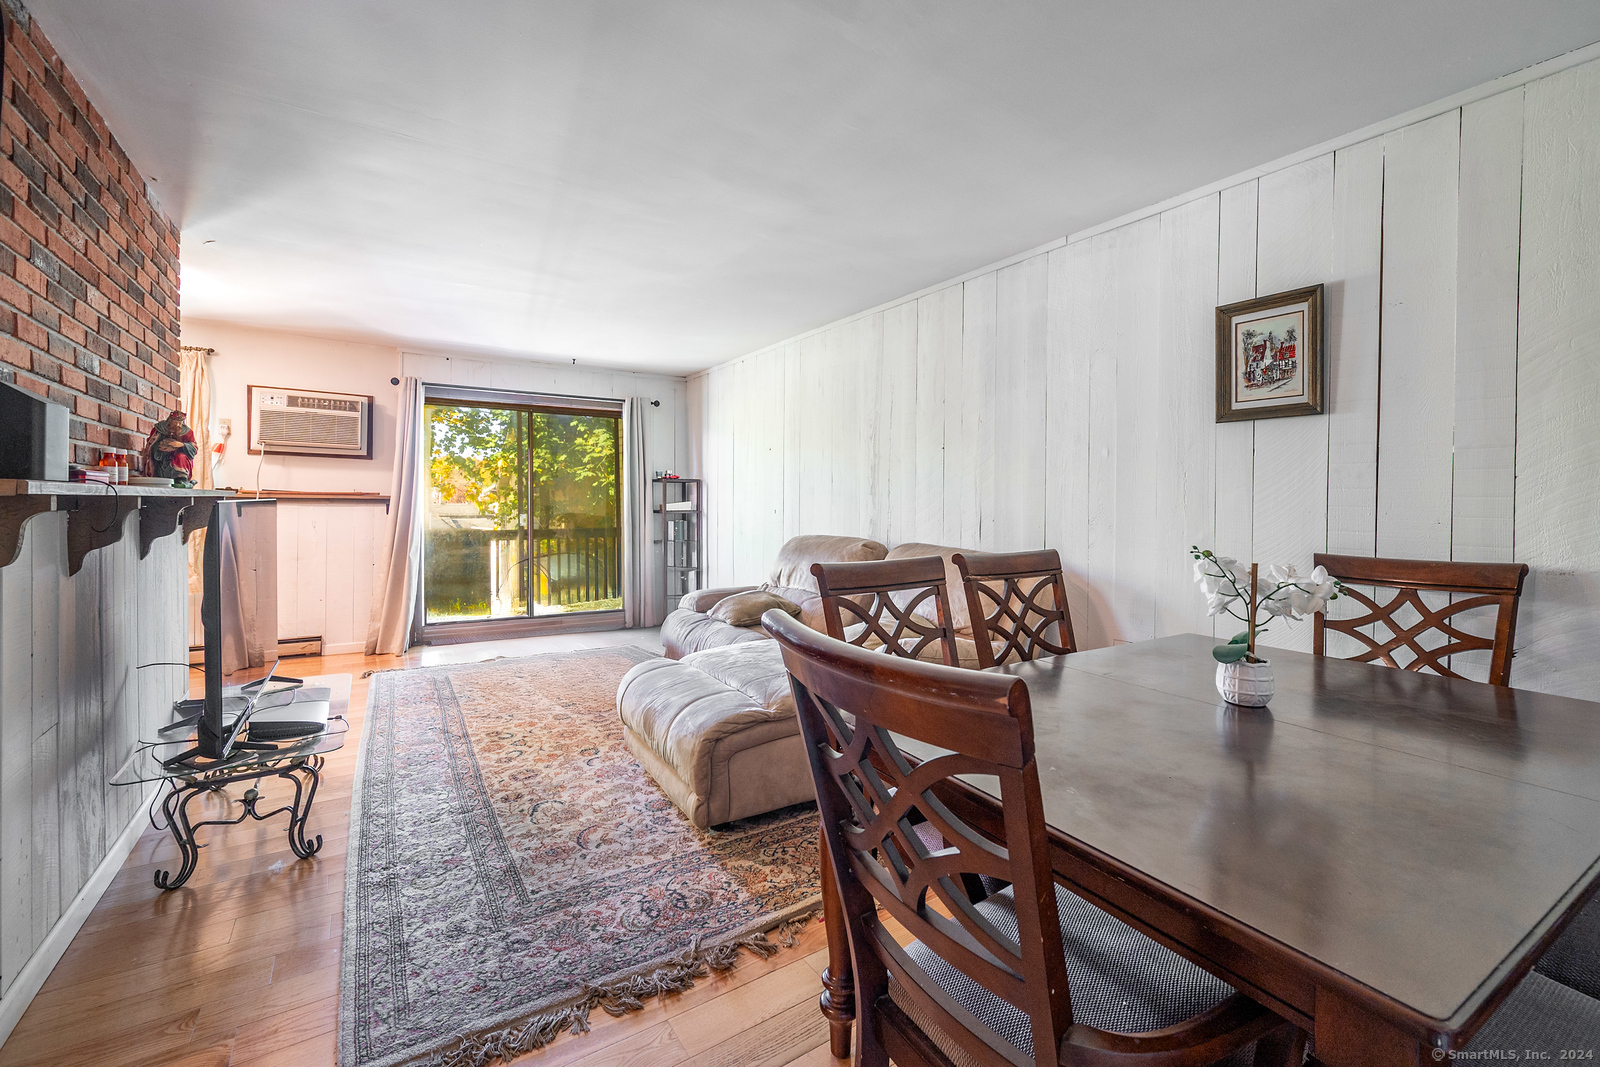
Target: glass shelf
[[147, 762]]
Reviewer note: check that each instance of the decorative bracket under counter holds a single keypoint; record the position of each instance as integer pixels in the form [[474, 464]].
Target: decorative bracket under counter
[[95, 514]]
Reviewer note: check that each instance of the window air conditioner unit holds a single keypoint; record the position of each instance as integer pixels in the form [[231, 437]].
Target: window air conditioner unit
[[306, 422]]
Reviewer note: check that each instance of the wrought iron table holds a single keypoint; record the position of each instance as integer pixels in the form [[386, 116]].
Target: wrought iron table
[[298, 762]]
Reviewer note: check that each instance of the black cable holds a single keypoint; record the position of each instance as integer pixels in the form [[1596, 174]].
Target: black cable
[[171, 663], [116, 508]]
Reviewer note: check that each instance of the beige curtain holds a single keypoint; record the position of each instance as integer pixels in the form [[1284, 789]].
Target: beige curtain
[[194, 395], [638, 590], [395, 620]]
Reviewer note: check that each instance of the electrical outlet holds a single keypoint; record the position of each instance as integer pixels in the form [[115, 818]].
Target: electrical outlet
[[226, 426]]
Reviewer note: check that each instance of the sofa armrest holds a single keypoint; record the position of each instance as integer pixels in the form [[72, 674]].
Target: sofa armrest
[[706, 599]]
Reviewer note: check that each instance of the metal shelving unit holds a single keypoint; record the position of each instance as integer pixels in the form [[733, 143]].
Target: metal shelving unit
[[681, 505]]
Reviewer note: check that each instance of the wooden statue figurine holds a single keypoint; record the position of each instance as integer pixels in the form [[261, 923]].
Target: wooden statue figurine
[[171, 450]]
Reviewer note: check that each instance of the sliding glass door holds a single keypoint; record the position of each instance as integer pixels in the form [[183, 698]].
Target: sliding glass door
[[521, 513]]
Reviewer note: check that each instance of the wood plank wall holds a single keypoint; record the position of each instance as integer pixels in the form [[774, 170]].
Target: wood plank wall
[[1066, 400], [72, 706]]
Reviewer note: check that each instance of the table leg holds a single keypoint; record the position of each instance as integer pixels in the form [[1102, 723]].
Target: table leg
[[300, 812], [303, 773], [1348, 1035], [838, 1000], [176, 808]]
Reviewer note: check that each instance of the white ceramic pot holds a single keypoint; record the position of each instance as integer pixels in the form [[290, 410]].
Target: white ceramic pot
[[1247, 684]]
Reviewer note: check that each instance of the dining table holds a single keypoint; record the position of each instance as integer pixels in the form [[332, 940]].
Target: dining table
[[1379, 855]]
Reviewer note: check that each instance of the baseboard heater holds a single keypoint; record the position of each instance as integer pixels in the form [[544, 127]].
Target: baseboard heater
[[287, 646]]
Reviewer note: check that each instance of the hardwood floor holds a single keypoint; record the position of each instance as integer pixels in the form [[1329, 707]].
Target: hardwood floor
[[240, 967]]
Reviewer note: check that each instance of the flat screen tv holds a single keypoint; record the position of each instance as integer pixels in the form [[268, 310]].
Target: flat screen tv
[[220, 717]]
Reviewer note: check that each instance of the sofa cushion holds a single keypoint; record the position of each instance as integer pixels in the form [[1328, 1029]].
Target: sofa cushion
[[684, 631], [792, 569], [690, 629], [746, 609], [717, 731], [754, 669], [706, 599], [958, 595], [681, 713]]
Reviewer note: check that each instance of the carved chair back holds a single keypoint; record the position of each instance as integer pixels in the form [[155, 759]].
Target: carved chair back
[[906, 624], [871, 795], [1018, 602], [1477, 585]]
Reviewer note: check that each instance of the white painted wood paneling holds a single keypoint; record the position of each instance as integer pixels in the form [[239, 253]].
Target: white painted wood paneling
[[794, 459], [1459, 255], [767, 534], [1417, 399], [16, 764], [1294, 248], [1017, 430], [1100, 510], [1354, 303], [1489, 222], [75, 705], [1185, 429], [855, 424], [1558, 386], [1489, 244], [895, 458], [938, 355], [1352, 317], [968, 453], [814, 433], [1067, 435], [742, 439], [328, 557], [1235, 442], [1134, 338]]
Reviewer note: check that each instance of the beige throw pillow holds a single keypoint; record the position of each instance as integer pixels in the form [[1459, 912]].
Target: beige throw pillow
[[746, 609]]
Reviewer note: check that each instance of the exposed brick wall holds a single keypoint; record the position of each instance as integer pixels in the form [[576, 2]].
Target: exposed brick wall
[[88, 265]]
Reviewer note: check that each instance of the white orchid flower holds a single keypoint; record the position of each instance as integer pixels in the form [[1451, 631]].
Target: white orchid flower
[[1218, 578], [1280, 573]]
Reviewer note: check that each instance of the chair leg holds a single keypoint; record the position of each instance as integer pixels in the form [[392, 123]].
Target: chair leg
[[838, 994], [1282, 1047]]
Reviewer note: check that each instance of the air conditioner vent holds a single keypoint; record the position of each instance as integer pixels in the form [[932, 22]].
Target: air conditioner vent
[[309, 422]]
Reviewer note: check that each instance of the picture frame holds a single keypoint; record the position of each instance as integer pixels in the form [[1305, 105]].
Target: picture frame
[[1269, 356]]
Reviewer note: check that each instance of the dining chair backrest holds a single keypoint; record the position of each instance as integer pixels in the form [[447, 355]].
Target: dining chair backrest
[[913, 624], [1468, 585], [1018, 604], [850, 703]]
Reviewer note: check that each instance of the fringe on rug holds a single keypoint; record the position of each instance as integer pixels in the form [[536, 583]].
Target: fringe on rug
[[675, 975]]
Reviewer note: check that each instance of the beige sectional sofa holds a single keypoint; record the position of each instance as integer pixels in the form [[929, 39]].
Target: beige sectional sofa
[[714, 724], [692, 628]]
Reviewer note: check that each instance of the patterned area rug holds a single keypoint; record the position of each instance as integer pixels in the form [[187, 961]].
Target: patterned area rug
[[512, 867]]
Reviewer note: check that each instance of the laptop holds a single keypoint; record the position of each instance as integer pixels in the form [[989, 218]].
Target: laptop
[[290, 714]]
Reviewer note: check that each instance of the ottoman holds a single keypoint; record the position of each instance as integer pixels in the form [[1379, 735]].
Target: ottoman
[[717, 731]]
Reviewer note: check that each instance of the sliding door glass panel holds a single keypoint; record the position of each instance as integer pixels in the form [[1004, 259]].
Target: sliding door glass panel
[[521, 513], [475, 526], [574, 540]]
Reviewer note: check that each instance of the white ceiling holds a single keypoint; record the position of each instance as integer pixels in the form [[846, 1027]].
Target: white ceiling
[[670, 184]]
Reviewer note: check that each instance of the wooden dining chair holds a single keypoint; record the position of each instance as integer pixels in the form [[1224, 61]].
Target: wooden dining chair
[[901, 605], [1027, 615], [1481, 584], [1030, 975]]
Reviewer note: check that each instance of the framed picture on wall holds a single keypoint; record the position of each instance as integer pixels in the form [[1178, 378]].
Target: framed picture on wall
[[1269, 356]]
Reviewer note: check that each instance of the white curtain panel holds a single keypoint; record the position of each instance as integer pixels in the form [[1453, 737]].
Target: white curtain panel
[[194, 396], [638, 591], [394, 611]]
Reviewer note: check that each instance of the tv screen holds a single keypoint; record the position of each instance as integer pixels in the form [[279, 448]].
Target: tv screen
[[220, 717]]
